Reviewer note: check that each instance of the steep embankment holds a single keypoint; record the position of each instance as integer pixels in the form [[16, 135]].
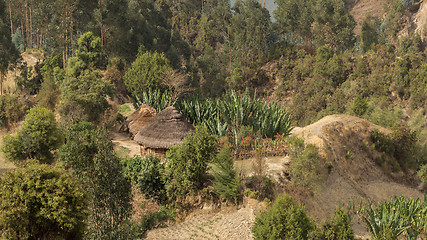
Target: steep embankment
[[345, 141]]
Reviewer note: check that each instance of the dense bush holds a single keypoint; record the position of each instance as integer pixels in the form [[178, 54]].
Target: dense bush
[[337, 228], [402, 144], [37, 138], [41, 202], [11, 110], [307, 167], [146, 174], [187, 164], [286, 219]]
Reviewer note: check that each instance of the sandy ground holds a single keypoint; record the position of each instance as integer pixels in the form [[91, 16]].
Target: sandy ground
[[223, 225]]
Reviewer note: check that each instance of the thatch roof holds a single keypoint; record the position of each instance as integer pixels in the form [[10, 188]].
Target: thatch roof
[[140, 118], [168, 128]]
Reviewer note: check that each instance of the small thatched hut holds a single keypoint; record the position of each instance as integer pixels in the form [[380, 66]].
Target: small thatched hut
[[168, 128], [140, 118]]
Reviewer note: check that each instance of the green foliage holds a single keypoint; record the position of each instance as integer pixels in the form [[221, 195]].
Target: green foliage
[[89, 154], [49, 93], [37, 138], [11, 110], [337, 228], [145, 73], [234, 111], [9, 55], [391, 219], [41, 202], [369, 33], [187, 164], [307, 167], [156, 99], [286, 219], [360, 105], [422, 173], [146, 174], [83, 97], [402, 145], [83, 91], [226, 182], [29, 78]]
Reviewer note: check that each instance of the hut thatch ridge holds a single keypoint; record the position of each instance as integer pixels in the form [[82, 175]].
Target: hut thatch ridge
[[166, 129]]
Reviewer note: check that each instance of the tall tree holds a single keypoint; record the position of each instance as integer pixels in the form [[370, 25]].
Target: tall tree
[[89, 154], [8, 52]]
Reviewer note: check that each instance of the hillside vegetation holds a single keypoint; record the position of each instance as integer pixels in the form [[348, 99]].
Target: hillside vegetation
[[317, 118]]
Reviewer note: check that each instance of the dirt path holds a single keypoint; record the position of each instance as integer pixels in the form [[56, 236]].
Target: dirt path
[[124, 141], [223, 225]]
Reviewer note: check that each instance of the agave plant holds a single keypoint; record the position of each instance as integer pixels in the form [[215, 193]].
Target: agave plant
[[401, 216]]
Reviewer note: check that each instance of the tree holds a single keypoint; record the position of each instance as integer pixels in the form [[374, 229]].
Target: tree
[[90, 156], [294, 18], [187, 164], [8, 52], [369, 33], [249, 29], [38, 137], [226, 183], [83, 91], [333, 24], [286, 219], [145, 72], [41, 202]]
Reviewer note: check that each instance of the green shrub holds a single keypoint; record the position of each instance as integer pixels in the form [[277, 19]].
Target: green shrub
[[187, 164], [41, 202], [337, 228], [37, 138], [307, 167], [422, 173], [226, 183], [360, 105], [11, 110], [146, 174], [286, 219]]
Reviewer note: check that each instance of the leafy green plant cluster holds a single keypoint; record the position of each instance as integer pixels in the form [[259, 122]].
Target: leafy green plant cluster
[[286, 219], [11, 110], [394, 218], [42, 202], [337, 228], [233, 111], [146, 174], [37, 139], [307, 167], [187, 165], [402, 144], [157, 99]]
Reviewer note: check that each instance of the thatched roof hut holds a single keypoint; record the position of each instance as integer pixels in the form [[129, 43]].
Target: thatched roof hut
[[168, 128], [140, 118]]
